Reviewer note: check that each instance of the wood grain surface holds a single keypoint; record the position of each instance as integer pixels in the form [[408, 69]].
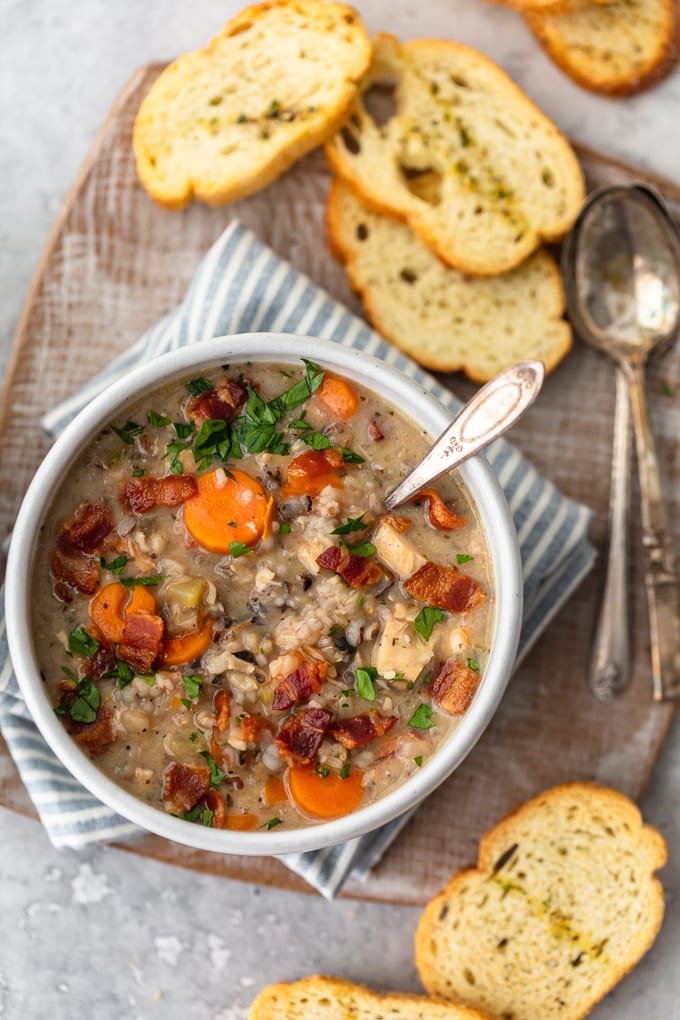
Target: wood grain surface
[[115, 263]]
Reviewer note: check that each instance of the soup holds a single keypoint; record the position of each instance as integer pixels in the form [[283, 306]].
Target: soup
[[230, 624]]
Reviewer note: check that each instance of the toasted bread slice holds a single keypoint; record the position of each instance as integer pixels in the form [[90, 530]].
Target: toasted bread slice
[[224, 121], [562, 904], [438, 316], [326, 998], [478, 172], [618, 48], [549, 6]]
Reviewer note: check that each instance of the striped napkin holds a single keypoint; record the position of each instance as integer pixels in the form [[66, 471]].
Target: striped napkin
[[242, 286]]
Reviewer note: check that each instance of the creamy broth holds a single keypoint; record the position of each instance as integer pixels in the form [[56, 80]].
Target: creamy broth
[[251, 641]]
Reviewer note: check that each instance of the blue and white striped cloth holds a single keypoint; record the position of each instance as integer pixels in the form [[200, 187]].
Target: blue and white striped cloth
[[242, 286]]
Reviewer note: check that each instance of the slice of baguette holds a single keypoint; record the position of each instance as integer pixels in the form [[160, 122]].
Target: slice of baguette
[[562, 904], [549, 6], [443, 319], [618, 49], [326, 998], [479, 173], [224, 121]]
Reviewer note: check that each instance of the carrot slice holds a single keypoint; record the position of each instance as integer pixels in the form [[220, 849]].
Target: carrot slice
[[274, 791], [312, 471], [337, 397], [227, 508], [325, 796], [240, 823], [106, 611], [142, 601], [177, 651]]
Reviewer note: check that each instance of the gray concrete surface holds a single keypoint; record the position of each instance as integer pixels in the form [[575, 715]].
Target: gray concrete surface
[[104, 934]]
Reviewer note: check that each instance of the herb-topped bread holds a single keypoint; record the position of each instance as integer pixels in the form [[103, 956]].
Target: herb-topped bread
[[224, 121], [478, 172], [440, 317], [563, 903], [617, 48], [325, 998]]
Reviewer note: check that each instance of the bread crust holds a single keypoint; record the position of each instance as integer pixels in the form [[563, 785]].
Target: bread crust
[[596, 75], [503, 835], [343, 250], [434, 228], [155, 128], [276, 1001]]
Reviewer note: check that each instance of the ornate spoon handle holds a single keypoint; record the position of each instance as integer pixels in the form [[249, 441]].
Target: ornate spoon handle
[[610, 660], [492, 410], [661, 579]]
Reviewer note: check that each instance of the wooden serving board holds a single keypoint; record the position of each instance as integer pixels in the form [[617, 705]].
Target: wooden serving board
[[115, 262]]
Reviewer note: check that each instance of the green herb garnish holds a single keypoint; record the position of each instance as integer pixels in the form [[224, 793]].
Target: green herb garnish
[[426, 620], [157, 420], [187, 703], [284, 529], [351, 524], [366, 676], [80, 642], [463, 557], [146, 582], [183, 429], [272, 823], [238, 549], [345, 771], [123, 673], [418, 760], [128, 432], [364, 549], [350, 457], [192, 684], [473, 664], [115, 566], [317, 440], [323, 771], [422, 718], [88, 700], [198, 386], [172, 450], [138, 473], [217, 775]]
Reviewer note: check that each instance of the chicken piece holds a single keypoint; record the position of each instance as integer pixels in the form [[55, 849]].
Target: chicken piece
[[400, 649], [396, 551], [450, 638]]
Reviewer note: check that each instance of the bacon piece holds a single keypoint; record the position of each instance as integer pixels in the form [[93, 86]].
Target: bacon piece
[[438, 513], [361, 729], [397, 522], [90, 526], [358, 571], [250, 727], [454, 686], [139, 495], [183, 786], [214, 802], [72, 569], [222, 711], [300, 684], [221, 403], [142, 640], [374, 431], [96, 736], [103, 661], [312, 471], [444, 588], [299, 738]]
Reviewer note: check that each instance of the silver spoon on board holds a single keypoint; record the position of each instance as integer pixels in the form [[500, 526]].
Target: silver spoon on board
[[491, 412], [621, 265]]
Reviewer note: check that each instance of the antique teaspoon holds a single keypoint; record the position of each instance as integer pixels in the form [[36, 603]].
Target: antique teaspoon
[[621, 265], [490, 413]]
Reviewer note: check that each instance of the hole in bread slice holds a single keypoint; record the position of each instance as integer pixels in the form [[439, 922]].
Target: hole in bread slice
[[380, 102], [423, 182]]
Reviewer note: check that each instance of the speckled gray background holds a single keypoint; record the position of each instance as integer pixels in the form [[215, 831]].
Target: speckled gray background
[[104, 935]]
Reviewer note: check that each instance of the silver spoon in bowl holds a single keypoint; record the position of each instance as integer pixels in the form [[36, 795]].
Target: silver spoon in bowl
[[621, 265], [486, 416]]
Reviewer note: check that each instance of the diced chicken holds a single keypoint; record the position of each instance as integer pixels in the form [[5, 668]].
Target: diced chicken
[[450, 638], [308, 551], [396, 551], [400, 649]]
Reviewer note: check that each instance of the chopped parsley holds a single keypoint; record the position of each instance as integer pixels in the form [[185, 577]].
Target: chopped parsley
[[123, 673], [217, 775], [88, 700], [422, 718], [317, 440], [172, 450], [198, 814], [238, 549], [351, 524], [158, 421], [364, 549], [115, 566], [146, 582], [198, 386], [183, 429], [80, 642], [323, 771], [345, 771], [350, 457], [138, 473], [426, 619], [272, 823], [366, 677], [463, 557], [187, 702], [418, 760], [473, 664], [284, 528], [192, 684], [128, 432]]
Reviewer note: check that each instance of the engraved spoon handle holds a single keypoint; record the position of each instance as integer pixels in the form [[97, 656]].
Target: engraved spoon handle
[[610, 659], [492, 410], [661, 579]]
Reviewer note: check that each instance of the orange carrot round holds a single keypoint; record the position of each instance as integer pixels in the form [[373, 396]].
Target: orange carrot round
[[312, 471], [274, 791], [337, 397], [325, 796], [106, 611], [142, 600], [240, 823], [183, 648], [227, 508]]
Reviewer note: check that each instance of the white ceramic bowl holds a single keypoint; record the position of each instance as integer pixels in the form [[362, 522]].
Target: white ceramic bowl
[[416, 402]]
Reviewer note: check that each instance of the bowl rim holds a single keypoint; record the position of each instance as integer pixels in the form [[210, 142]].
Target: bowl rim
[[417, 403]]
